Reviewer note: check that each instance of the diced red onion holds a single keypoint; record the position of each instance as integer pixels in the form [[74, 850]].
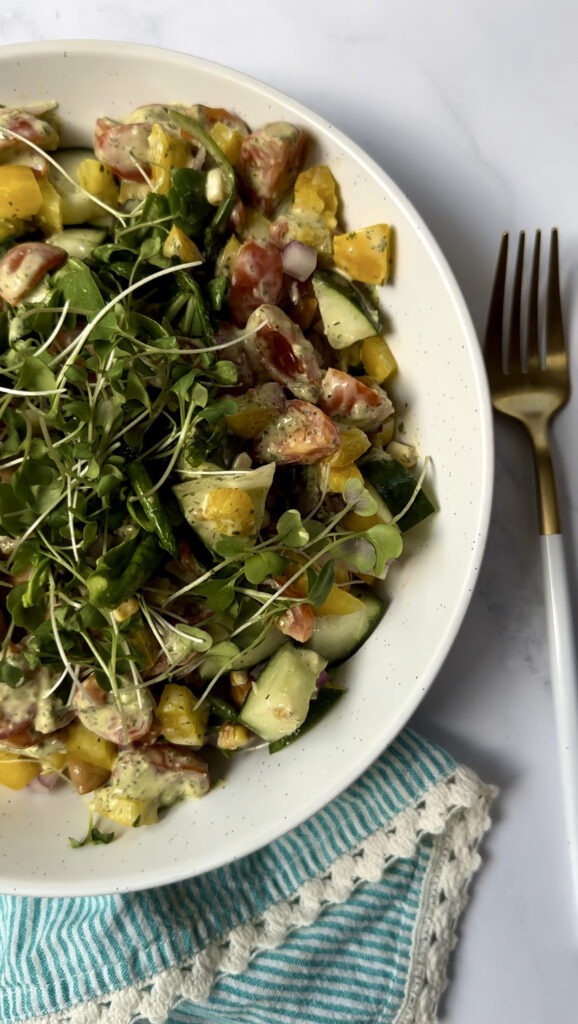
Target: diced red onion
[[322, 679], [44, 782], [299, 260]]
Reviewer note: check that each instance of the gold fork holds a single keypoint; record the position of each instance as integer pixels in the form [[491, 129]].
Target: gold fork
[[532, 387]]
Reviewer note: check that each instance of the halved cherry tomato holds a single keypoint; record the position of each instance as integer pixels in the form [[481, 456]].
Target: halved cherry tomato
[[269, 162], [257, 277], [303, 434], [24, 266], [353, 402], [283, 352], [123, 147]]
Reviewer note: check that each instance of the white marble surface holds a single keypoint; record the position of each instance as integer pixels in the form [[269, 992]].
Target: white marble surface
[[471, 107]]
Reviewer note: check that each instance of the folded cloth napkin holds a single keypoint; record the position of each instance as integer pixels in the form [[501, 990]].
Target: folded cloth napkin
[[349, 918]]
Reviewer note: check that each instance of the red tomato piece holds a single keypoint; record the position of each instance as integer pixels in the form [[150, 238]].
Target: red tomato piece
[[269, 162], [24, 266], [17, 708], [257, 278], [31, 128], [124, 148], [283, 352], [302, 434], [353, 402]]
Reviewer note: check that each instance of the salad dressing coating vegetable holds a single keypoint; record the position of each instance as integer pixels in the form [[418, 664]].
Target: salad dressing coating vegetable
[[195, 500]]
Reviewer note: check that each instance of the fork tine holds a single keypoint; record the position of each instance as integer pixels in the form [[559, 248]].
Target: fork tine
[[515, 336], [493, 352], [533, 351], [556, 344]]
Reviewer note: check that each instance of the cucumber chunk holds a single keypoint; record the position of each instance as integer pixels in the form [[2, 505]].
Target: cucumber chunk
[[337, 637], [347, 316], [270, 643], [396, 485], [279, 700]]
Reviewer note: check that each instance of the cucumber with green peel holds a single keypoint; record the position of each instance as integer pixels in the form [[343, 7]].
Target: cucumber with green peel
[[396, 486], [278, 701], [248, 657], [346, 314], [337, 637]]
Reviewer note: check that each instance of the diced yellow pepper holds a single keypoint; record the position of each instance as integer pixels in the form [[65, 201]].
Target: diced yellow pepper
[[11, 227], [352, 444], [365, 254], [358, 524], [231, 509], [309, 228], [256, 225], [339, 602], [178, 244], [228, 139], [316, 192], [87, 746], [124, 810], [98, 180], [384, 435], [49, 216], [227, 256], [132, 191], [16, 772], [233, 735], [250, 421], [180, 720], [338, 477], [20, 194], [54, 762], [167, 152], [377, 358]]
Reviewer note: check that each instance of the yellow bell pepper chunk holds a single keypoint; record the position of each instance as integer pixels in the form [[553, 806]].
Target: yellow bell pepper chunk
[[231, 510], [358, 524], [377, 358], [338, 477], [20, 194], [228, 139], [366, 254], [316, 192], [180, 720], [167, 152], [178, 244], [87, 746], [339, 602], [250, 421], [256, 225], [227, 256], [49, 216], [124, 810], [352, 444], [98, 180], [16, 772], [385, 434], [11, 227]]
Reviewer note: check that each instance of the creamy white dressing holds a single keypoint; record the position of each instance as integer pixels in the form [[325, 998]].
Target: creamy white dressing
[[134, 776]]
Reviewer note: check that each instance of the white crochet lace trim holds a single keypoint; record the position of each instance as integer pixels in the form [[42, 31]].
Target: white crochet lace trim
[[455, 811]]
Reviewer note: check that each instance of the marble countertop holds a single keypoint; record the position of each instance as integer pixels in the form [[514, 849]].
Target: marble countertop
[[471, 108]]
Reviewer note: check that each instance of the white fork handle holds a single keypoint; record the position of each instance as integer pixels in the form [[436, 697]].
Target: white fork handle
[[564, 684]]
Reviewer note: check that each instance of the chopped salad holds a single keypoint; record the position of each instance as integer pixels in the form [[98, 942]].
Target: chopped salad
[[201, 474]]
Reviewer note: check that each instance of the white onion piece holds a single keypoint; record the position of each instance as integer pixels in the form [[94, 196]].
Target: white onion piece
[[299, 260]]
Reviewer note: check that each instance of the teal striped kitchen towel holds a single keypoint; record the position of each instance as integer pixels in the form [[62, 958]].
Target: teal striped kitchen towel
[[350, 918]]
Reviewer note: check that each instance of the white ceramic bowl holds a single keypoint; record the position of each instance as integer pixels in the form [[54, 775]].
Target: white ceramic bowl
[[442, 381]]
